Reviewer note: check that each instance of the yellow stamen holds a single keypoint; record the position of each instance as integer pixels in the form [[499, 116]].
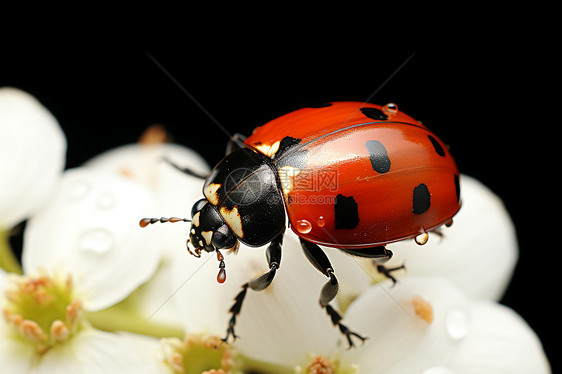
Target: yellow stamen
[[42, 310], [320, 365], [423, 308], [198, 354]]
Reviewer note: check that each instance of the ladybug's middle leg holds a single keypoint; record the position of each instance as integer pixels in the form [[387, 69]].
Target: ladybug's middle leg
[[321, 262], [259, 283]]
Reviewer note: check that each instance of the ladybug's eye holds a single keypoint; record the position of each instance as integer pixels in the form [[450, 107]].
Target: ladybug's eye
[[198, 206], [223, 238]]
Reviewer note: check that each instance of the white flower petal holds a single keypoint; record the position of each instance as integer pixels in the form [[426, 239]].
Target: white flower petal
[[15, 355], [174, 191], [499, 341], [32, 150], [90, 229], [92, 351], [400, 340], [150, 298], [477, 253]]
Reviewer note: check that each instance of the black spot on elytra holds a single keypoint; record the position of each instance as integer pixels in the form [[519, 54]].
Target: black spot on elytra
[[374, 113], [285, 144], [378, 156], [346, 213], [284, 157], [437, 146], [421, 199], [457, 187]]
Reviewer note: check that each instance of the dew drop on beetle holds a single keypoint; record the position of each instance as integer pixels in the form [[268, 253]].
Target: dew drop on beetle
[[390, 109], [303, 226]]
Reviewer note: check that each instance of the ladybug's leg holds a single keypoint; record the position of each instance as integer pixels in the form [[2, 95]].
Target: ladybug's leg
[[321, 262], [380, 255], [273, 254], [185, 170]]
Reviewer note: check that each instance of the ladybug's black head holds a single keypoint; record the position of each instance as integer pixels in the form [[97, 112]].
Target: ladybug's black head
[[208, 231]]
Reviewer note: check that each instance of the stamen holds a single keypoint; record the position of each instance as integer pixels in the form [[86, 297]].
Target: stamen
[[154, 134], [32, 331], [59, 332], [320, 365], [205, 352], [42, 310], [422, 308]]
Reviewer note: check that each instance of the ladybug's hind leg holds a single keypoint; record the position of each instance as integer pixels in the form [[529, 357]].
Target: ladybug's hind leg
[[259, 283], [321, 262]]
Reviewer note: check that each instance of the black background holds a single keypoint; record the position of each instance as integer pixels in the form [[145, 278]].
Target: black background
[[485, 94]]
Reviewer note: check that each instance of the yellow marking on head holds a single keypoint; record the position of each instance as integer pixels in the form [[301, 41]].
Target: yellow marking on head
[[233, 219], [211, 193]]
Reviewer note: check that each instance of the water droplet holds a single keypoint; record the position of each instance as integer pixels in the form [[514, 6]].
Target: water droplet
[[78, 190], [390, 109], [438, 370], [106, 200], [96, 241], [303, 226], [457, 323], [422, 238], [320, 221]]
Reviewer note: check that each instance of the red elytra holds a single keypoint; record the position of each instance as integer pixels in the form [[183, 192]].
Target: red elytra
[[357, 175]]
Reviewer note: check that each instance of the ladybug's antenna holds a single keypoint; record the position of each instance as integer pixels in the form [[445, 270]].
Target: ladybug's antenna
[[147, 221]]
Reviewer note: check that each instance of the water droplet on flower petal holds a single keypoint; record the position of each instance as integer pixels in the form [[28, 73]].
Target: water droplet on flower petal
[[303, 226], [457, 323], [106, 201], [438, 370], [78, 190], [98, 241], [320, 221]]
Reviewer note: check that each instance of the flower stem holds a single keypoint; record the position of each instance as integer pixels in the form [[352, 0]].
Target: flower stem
[[8, 261], [124, 316]]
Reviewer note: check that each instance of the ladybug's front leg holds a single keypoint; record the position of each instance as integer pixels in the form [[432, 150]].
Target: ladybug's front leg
[[321, 262], [259, 283]]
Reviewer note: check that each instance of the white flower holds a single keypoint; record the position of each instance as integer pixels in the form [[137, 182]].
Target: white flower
[[43, 330], [32, 150]]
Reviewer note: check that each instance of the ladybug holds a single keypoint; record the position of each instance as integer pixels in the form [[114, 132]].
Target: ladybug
[[350, 175]]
